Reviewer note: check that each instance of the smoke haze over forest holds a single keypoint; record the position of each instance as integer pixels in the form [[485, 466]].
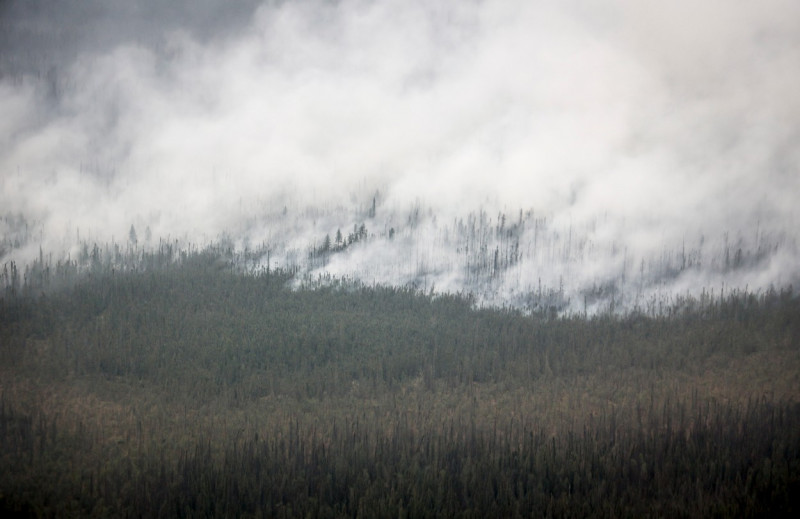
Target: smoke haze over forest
[[492, 146]]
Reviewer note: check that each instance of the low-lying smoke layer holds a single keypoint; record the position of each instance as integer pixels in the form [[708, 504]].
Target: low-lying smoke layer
[[639, 131]]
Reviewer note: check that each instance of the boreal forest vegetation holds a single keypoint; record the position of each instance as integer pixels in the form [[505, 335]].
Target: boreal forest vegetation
[[185, 385], [399, 259]]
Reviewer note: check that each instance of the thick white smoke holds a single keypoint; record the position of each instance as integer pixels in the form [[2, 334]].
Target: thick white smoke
[[634, 129]]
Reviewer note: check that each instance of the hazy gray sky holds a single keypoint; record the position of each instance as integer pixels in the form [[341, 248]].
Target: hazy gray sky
[[661, 120]]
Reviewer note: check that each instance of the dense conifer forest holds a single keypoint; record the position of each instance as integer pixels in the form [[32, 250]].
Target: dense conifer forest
[[399, 258], [184, 385]]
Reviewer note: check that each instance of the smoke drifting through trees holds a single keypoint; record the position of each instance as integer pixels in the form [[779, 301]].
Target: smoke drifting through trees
[[648, 146]]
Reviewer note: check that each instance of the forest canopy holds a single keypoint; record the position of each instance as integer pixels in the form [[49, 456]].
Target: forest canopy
[[194, 388]]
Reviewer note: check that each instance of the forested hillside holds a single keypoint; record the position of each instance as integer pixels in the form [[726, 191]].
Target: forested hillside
[[191, 388], [399, 258]]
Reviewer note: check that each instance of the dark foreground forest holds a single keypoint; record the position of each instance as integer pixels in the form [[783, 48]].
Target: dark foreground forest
[[192, 390]]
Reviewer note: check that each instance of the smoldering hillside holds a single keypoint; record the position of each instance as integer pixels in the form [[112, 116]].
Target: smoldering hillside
[[569, 154]]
